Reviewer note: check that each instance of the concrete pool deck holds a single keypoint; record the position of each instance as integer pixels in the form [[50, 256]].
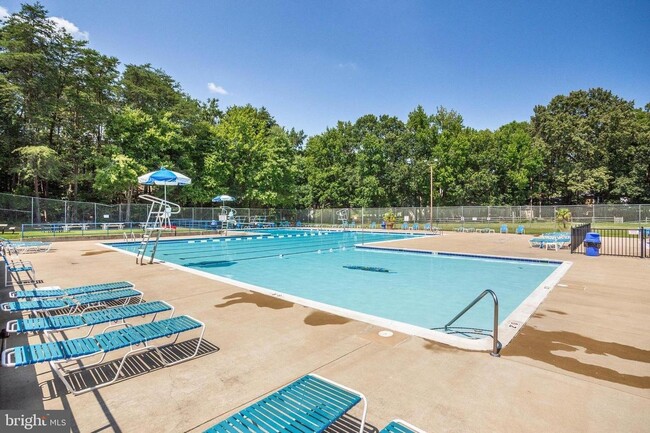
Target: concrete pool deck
[[581, 363]]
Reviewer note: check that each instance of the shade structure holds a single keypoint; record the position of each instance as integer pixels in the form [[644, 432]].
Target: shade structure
[[164, 177], [223, 198]]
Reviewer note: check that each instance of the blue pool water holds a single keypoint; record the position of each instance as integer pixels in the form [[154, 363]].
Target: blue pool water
[[419, 289]]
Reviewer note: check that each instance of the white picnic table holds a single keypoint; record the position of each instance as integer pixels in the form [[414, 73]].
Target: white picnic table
[[106, 226]]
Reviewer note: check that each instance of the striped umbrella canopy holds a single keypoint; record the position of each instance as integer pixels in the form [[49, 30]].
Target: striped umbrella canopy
[[164, 177], [223, 198]]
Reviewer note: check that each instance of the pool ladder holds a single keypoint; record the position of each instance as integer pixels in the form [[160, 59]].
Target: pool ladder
[[157, 221], [496, 346]]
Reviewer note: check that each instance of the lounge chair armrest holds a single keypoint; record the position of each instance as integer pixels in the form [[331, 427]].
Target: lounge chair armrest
[[8, 358], [12, 326], [363, 398], [173, 309], [5, 307], [408, 425]]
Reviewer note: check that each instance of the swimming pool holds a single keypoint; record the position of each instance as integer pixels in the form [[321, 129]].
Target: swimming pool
[[401, 290]]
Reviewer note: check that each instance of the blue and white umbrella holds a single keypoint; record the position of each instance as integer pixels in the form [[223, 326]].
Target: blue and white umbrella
[[223, 198], [164, 177]]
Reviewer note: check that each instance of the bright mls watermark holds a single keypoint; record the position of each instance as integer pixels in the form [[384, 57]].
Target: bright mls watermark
[[35, 421]]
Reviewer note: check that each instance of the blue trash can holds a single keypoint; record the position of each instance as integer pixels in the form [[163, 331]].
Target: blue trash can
[[592, 244]]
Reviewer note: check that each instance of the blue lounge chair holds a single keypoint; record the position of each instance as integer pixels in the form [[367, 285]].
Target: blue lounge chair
[[405, 226], [400, 426], [520, 230], [15, 268], [137, 338], [373, 225], [416, 226], [549, 241], [117, 315], [56, 291], [80, 302], [19, 247], [504, 228], [310, 404], [298, 223]]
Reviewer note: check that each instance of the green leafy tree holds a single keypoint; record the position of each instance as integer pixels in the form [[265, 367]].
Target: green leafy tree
[[330, 160], [584, 138], [252, 158], [38, 165], [563, 216], [117, 178]]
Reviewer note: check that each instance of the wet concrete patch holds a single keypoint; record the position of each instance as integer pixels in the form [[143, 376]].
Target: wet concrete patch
[[440, 347], [96, 252], [557, 312], [539, 345], [258, 299], [320, 318]]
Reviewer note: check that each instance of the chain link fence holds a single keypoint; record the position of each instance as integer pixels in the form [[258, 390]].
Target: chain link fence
[[16, 210]]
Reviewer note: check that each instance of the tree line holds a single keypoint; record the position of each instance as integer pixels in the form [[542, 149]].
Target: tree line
[[73, 126]]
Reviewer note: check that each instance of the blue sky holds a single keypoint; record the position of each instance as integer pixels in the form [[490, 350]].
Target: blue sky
[[314, 63]]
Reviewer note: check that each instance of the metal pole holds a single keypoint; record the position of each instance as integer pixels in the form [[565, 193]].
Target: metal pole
[[430, 196], [435, 161]]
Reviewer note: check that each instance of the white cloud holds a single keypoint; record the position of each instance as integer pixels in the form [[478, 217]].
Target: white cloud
[[350, 66], [69, 27], [213, 88], [4, 13]]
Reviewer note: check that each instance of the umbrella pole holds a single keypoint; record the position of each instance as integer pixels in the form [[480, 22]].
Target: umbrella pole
[[223, 212]]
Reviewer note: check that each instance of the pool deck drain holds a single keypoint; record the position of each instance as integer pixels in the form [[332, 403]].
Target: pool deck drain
[[581, 363]]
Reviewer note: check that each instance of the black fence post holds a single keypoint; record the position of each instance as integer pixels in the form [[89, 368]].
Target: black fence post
[[577, 236]]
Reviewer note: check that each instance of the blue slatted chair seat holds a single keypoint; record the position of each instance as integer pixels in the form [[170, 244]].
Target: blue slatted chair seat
[[142, 333], [97, 288], [166, 328], [13, 268], [125, 312], [309, 404], [48, 323], [67, 349], [116, 339], [44, 304], [91, 318], [105, 296], [394, 427], [51, 293], [56, 351]]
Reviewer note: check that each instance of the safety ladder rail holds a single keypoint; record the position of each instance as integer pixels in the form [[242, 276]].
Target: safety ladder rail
[[343, 217], [495, 332], [229, 216], [161, 211]]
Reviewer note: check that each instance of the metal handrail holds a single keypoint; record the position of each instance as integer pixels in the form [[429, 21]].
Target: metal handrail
[[160, 201], [495, 333]]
